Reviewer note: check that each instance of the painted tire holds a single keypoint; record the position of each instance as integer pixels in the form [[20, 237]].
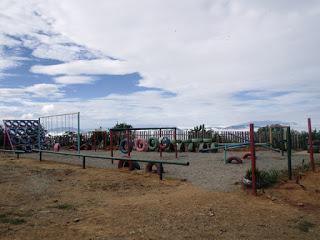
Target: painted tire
[[141, 145], [153, 143], [8, 124], [234, 159], [22, 123], [164, 143], [196, 140], [150, 165], [56, 147], [123, 146], [207, 140]]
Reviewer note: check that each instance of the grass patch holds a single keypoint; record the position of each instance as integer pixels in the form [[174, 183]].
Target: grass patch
[[64, 206], [304, 226], [264, 178], [4, 218]]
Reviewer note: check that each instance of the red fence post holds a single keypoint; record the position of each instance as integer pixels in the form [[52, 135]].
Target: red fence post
[[253, 159], [311, 145], [111, 144]]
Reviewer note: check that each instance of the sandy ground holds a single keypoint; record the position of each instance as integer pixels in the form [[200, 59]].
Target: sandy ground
[[206, 170], [48, 200]]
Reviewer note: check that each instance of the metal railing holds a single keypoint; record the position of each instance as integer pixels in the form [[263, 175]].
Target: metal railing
[[84, 156]]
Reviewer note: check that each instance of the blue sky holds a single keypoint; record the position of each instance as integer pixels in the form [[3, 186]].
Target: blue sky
[[214, 62]]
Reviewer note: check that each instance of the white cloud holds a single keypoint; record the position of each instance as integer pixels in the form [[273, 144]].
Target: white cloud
[[203, 51], [96, 66], [67, 80]]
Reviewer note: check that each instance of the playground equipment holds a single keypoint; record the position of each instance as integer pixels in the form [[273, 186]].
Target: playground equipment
[[159, 163], [160, 141], [22, 134], [61, 128]]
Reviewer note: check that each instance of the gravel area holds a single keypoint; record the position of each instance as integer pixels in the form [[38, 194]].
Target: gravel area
[[206, 170]]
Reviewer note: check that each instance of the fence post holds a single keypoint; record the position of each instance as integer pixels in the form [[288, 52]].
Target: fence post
[[175, 142], [83, 162], [160, 143], [161, 172], [289, 146], [40, 155], [311, 145], [111, 144], [253, 159], [78, 134]]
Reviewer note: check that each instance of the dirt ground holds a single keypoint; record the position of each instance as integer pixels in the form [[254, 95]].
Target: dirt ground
[[50, 200]]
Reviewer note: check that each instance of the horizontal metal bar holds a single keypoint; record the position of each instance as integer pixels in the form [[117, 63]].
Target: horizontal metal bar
[[59, 115], [145, 128], [113, 158], [12, 151]]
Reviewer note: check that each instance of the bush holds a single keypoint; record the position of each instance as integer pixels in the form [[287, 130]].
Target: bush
[[263, 178]]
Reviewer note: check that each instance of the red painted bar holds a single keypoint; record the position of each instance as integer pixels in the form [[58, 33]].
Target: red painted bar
[[111, 144], [253, 159], [311, 145]]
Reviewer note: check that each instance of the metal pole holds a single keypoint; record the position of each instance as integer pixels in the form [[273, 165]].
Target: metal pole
[[111, 144], [161, 172], [128, 142], [4, 137], [225, 153], [270, 135], [289, 146], [311, 145], [160, 144], [78, 135], [83, 162], [175, 142], [253, 159], [39, 140]]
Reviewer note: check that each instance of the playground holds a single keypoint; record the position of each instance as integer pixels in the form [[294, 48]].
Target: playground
[[157, 183], [50, 200]]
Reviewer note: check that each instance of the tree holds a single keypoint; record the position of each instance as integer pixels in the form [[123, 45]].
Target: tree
[[122, 125]]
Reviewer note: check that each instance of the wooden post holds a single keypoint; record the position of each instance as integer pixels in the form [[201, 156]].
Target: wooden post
[[253, 159]]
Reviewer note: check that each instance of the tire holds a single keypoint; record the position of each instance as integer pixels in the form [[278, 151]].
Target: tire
[[158, 166], [141, 145], [164, 143], [123, 146], [234, 159], [153, 143]]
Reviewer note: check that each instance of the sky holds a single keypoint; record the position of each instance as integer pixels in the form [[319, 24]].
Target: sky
[[162, 62]]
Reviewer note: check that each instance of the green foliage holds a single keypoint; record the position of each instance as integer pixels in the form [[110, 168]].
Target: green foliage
[[304, 226], [4, 218], [122, 125], [264, 178]]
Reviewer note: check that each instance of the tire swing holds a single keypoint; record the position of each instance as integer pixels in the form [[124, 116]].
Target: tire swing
[[158, 166], [141, 145], [123, 146], [164, 143], [153, 143], [234, 159]]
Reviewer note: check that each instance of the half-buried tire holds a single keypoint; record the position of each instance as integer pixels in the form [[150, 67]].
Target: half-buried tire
[[158, 166], [234, 159]]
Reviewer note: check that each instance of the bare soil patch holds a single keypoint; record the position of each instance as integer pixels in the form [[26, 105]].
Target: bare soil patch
[[50, 200]]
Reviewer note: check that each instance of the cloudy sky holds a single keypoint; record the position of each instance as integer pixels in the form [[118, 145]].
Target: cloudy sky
[[161, 62]]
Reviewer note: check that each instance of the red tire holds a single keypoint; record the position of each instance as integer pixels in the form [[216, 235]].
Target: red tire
[[56, 147], [245, 156], [141, 145]]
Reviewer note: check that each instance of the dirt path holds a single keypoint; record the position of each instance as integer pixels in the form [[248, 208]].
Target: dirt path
[[57, 201]]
